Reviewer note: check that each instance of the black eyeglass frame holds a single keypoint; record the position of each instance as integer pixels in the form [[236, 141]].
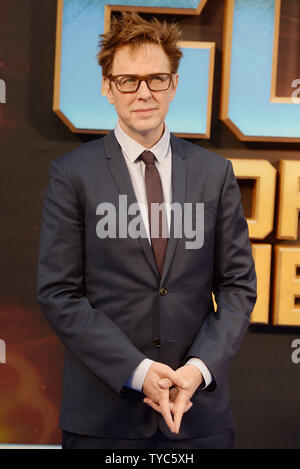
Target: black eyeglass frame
[[141, 78]]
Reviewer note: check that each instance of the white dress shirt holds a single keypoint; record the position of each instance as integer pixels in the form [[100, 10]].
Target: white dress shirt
[[163, 154]]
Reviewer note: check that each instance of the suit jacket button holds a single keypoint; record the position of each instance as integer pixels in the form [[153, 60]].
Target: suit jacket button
[[163, 291], [156, 342]]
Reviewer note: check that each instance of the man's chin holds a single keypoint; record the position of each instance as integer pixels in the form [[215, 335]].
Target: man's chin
[[146, 126]]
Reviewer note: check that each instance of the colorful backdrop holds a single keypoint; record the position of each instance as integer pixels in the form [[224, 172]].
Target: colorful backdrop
[[265, 375]]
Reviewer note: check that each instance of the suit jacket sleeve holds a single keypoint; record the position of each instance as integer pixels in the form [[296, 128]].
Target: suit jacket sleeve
[[89, 334], [234, 286]]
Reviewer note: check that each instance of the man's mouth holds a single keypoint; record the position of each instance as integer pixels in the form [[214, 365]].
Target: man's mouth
[[144, 111]]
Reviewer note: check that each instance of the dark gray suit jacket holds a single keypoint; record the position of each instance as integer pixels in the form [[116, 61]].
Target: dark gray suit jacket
[[103, 297]]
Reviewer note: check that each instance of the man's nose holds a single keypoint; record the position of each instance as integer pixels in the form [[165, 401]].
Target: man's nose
[[143, 91]]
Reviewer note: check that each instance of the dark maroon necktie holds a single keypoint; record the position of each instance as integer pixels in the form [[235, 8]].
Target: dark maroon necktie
[[155, 195]]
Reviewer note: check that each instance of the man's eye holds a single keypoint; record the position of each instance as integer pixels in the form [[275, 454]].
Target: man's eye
[[127, 81], [158, 78]]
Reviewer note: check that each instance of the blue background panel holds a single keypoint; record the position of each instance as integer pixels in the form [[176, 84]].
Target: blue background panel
[[250, 107], [81, 100]]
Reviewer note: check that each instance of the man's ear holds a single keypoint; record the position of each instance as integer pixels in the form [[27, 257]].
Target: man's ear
[[174, 85], [106, 90]]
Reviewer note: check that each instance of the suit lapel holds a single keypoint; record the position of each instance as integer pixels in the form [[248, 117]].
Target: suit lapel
[[122, 179]]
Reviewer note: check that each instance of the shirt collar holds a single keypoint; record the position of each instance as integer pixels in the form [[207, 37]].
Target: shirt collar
[[133, 149]]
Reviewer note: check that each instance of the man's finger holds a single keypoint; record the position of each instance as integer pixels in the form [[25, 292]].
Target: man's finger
[[176, 379], [157, 407], [179, 380], [188, 406], [165, 409], [152, 404], [172, 394], [165, 383], [180, 405]]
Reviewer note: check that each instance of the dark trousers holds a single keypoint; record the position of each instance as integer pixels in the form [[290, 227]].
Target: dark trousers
[[223, 440]]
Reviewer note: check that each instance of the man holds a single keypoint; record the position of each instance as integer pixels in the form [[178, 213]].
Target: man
[[146, 352]]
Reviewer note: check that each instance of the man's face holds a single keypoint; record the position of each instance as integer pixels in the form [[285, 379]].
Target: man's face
[[141, 114]]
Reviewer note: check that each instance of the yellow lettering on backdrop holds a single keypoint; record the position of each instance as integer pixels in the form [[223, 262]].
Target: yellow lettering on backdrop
[[289, 199], [286, 310], [261, 222], [262, 258], [285, 287]]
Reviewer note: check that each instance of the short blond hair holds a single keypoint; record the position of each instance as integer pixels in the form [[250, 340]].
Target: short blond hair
[[133, 30]]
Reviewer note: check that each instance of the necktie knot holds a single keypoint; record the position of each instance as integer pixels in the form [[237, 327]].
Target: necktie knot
[[147, 157]]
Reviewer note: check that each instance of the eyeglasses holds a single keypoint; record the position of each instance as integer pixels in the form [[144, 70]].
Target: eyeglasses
[[131, 83]]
